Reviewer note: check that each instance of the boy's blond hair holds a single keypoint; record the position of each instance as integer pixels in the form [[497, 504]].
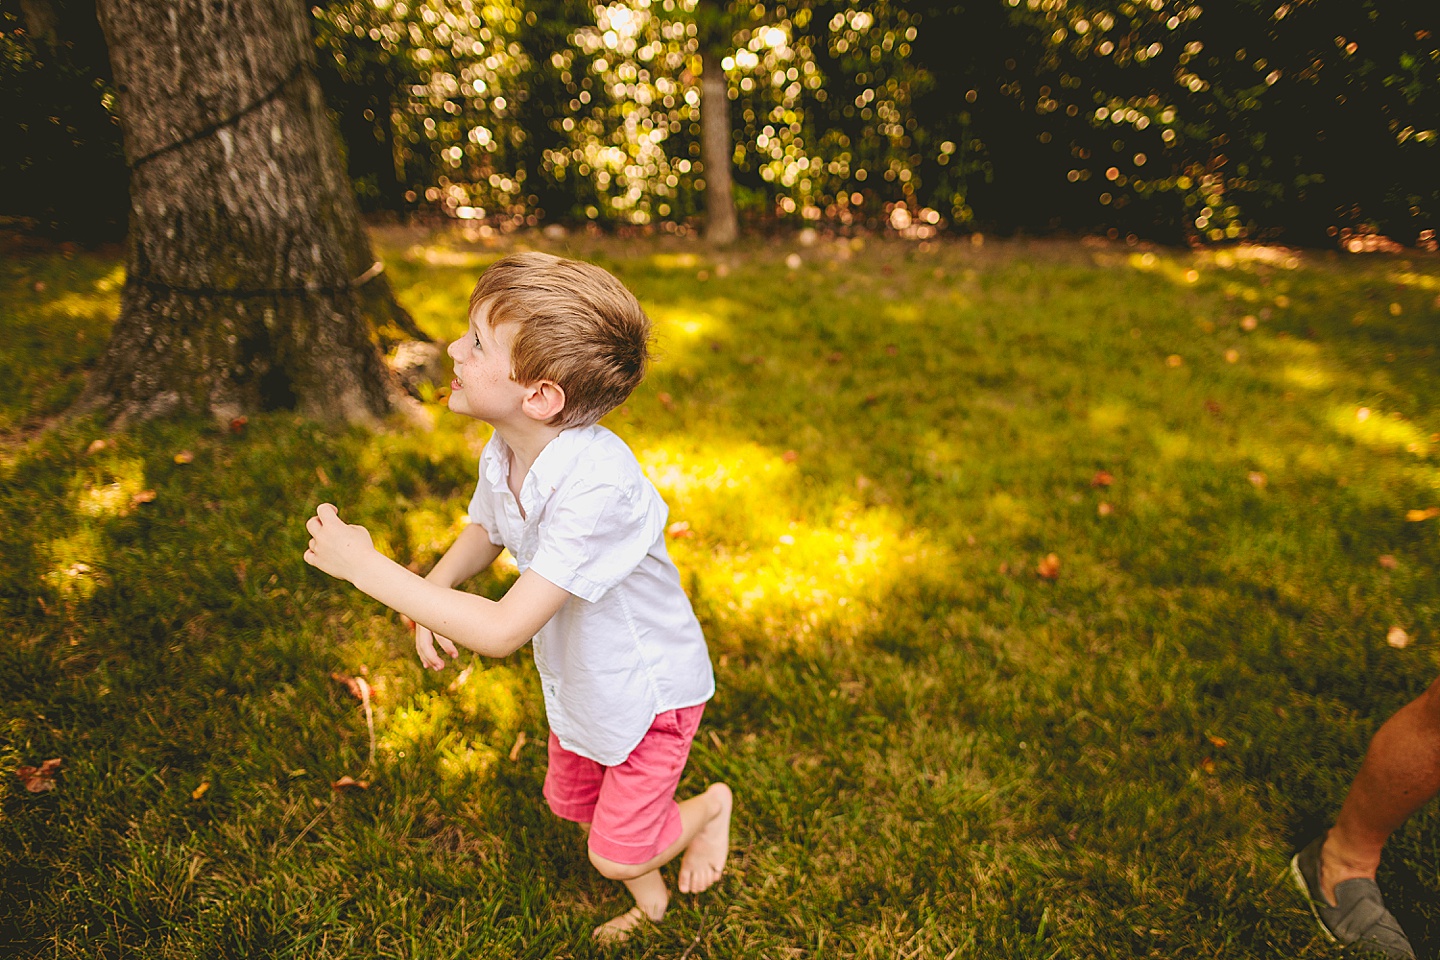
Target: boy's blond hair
[[577, 326]]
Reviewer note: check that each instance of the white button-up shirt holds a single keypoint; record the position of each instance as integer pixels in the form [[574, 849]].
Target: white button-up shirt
[[626, 646]]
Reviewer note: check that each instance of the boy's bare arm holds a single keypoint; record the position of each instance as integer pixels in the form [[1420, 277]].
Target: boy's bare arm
[[489, 627]]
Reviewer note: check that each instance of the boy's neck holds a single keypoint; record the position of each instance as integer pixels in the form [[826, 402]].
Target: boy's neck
[[526, 442]]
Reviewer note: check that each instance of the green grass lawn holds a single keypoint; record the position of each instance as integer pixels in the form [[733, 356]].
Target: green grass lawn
[[936, 751]]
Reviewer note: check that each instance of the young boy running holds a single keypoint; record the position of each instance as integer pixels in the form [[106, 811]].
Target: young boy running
[[552, 346]]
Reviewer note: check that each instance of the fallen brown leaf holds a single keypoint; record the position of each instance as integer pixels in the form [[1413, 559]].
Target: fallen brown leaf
[[679, 530], [1220, 742], [41, 778], [1257, 479], [348, 782], [1388, 561], [144, 496], [184, 456], [1398, 638], [96, 446], [1102, 478], [1049, 568], [1416, 516], [520, 741], [357, 686], [199, 791], [789, 456], [1104, 509]]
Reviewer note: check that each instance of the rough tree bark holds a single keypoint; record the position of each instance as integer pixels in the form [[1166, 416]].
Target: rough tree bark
[[717, 142], [250, 284]]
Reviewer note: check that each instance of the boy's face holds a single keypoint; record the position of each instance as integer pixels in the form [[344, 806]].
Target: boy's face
[[482, 387]]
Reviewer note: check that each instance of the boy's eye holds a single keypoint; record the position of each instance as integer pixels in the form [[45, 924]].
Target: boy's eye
[[477, 339]]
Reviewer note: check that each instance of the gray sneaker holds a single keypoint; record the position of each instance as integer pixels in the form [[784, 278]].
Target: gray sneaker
[[1359, 918]]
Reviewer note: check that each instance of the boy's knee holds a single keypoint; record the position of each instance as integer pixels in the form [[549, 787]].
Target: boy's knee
[[611, 870]]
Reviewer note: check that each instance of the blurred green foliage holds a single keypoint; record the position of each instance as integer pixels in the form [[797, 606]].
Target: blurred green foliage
[[1305, 121]]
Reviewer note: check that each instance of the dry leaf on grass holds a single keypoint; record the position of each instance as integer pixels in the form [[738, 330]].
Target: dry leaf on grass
[[1398, 638], [348, 782], [1102, 478], [200, 791], [41, 778], [357, 686], [1388, 561], [520, 741], [679, 530], [1049, 568], [1416, 516]]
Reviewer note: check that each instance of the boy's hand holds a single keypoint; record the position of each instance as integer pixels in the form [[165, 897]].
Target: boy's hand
[[425, 640], [335, 546]]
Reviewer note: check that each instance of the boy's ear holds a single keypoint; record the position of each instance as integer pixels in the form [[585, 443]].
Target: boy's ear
[[544, 400]]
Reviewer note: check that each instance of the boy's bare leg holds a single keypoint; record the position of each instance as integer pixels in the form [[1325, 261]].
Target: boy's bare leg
[[1400, 773], [705, 841]]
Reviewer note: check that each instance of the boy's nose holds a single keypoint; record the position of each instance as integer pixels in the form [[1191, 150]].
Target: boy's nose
[[450, 350]]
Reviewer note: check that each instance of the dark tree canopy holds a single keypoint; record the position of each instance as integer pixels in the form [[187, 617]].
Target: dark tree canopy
[[1305, 121]]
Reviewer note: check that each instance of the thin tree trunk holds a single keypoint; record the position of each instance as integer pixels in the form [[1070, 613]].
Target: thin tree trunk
[[717, 146], [250, 284]]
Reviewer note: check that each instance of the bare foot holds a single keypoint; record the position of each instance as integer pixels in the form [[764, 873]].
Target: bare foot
[[617, 929], [704, 859]]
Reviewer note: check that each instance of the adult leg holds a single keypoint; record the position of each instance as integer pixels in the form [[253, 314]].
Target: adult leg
[[1400, 773]]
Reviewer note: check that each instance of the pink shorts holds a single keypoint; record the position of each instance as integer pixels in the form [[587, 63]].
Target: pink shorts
[[631, 807]]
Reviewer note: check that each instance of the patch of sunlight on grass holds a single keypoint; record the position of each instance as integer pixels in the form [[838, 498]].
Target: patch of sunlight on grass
[[462, 759], [431, 532], [743, 541], [1109, 415], [830, 575], [744, 469], [490, 697], [903, 312], [1423, 281], [685, 324], [1307, 378], [1379, 431], [675, 261], [116, 494], [1172, 445], [75, 564], [463, 728], [1175, 272], [78, 305], [440, 256]]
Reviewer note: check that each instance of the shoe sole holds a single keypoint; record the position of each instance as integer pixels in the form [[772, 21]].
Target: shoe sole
[[1309, 902]]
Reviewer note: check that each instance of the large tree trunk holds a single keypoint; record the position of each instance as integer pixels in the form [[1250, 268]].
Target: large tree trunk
[[250, 284], [717, 141]]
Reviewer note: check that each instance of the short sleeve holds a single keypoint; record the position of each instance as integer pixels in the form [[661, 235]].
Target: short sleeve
[[482, 510], [597, 533]]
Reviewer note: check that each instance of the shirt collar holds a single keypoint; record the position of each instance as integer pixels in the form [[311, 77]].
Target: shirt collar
[[548, 469]]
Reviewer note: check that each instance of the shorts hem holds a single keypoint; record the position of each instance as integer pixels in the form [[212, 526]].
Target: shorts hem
[[631, 854]]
